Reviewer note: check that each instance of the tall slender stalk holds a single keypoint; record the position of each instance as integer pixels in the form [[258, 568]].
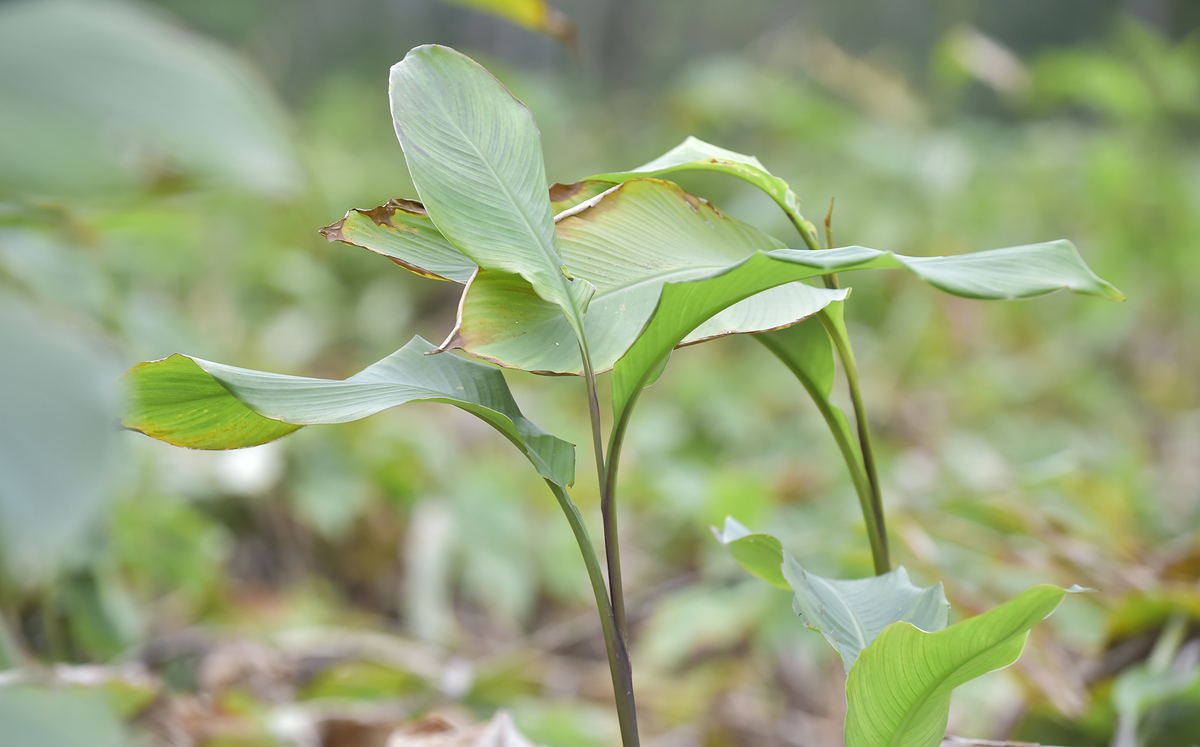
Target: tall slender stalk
[[614, 642], [873, 508], [614, 609]]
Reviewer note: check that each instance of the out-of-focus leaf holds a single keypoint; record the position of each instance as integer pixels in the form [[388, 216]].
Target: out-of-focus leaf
[[627, 243], [694, 154], [402, 231], [760, 554], [97, 95], [196, 403], [535, 15], [58, 445], [852, 613], [362, 680], [1162, 678], [849, 613], [475, 156], [898, 694], [58, 718], [997, 274]]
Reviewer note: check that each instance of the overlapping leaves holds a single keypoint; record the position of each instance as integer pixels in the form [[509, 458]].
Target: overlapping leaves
[[849, 613]]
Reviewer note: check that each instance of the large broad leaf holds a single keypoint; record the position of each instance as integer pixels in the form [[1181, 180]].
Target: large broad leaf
[[899, 692], [849, 613], [58, 718], [475, 157], [103, 95], [59, 452], [203, 405], [694, 154], [1014, 272], [627, 242]]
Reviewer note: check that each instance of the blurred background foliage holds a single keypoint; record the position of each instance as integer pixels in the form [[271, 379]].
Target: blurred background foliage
[[164, 167]]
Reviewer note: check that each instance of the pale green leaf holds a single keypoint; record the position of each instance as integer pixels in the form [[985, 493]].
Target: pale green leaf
[[627, 242], [1014, 272], [899, 691], [61, 717], [199, 404], [475, 156], [59, 452], [852, 613]]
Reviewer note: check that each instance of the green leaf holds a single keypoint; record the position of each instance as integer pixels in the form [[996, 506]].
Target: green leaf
[[852, 613], [1015, 272], [59, 452], [760, 554], [402, 231], [627, 243], [1161, 679], [104, 96], [899, 691], [203, 405], [694, 154], [58, 718], [475, 157]]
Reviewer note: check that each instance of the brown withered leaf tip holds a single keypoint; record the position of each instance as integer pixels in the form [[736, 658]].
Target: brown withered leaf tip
[[380, 216]]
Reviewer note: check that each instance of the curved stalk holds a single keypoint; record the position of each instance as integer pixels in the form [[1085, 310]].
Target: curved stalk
[[614, 643], [850, 451], [872, 514]]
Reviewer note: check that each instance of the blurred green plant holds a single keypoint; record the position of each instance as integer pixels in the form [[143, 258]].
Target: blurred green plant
[[614, 272]]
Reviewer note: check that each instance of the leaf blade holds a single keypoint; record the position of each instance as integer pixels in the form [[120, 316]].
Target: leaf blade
[[628, 243], [474, 153], [899, 692], [402, 231], [179, 400]]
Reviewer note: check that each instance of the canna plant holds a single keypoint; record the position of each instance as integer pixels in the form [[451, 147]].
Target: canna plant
[[612, 273]]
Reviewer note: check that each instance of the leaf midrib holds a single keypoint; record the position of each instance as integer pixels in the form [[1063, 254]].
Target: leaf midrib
[[928, 692], [548, 252]]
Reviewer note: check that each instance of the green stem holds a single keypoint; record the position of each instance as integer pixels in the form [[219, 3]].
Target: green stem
[[608, 508], [872, 508], [614, 643], [850, 452], [612, 613], [873, 513]]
